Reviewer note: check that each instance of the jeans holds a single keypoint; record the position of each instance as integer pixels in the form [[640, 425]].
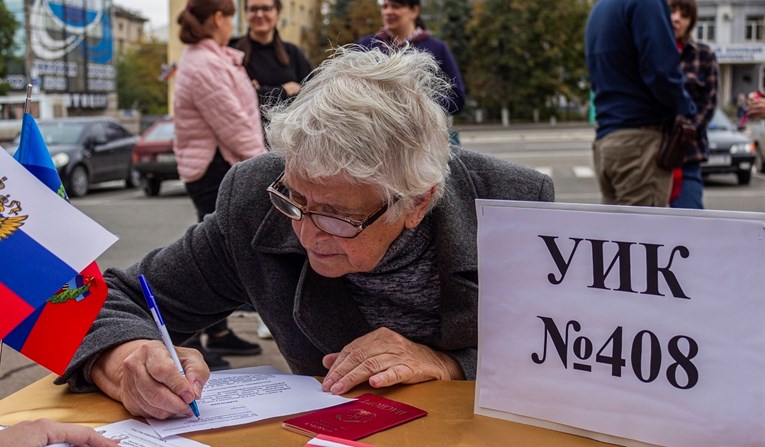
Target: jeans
[[691, 189]]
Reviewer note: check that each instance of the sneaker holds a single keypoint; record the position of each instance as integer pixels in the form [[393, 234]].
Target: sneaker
[[263, 331], [214, 361], [231, 344]]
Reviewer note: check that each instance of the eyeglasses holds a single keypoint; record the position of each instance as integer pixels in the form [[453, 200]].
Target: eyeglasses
[[339, 226], [263, 9]]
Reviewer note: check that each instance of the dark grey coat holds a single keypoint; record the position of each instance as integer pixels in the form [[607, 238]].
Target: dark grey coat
[[248, 253]]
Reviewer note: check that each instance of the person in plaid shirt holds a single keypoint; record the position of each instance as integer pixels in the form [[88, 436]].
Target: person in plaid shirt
[[699, 67]]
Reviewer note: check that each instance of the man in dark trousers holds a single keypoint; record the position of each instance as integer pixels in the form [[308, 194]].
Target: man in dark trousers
[[635, 73]]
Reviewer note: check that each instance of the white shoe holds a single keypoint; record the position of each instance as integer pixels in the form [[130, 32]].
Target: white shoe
[[263, 331]]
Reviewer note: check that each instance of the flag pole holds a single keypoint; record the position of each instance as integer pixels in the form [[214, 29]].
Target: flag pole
[[29, 98]]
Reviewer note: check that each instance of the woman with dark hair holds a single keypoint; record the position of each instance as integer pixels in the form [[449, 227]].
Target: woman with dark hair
[[217, 124], [699, 67], [275, 67], [402, 25]]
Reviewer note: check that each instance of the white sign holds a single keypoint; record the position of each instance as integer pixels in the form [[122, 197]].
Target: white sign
[[626, 324], [739, 53]]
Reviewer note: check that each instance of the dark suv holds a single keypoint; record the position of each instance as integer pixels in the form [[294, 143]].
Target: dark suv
[[153, 156], [88, 150]]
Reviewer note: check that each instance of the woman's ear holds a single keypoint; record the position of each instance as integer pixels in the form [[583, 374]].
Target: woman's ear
[[217, 19], [421, 207]]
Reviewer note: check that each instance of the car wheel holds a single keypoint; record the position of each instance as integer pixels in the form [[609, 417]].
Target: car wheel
[[744, 177], [133, 178], [78, 182], [151, 186]]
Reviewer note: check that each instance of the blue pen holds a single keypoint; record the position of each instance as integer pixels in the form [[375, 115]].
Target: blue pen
[[154, 309]]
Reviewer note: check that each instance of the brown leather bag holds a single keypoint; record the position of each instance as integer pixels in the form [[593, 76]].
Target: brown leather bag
[[676, 139]]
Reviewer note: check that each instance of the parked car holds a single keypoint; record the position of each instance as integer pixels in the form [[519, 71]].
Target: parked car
[[88, 150], [730, 151], [153, 156], [757, 129]]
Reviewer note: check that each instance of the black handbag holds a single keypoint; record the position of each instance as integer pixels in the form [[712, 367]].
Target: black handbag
[[677, 137]]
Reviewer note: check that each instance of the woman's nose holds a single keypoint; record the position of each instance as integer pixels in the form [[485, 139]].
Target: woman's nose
[[307, 231]]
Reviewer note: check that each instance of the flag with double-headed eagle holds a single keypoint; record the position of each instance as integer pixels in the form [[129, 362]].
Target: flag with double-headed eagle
[[57, 314]]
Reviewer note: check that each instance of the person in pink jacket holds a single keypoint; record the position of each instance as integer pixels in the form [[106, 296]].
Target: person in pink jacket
[[217, 124], [217, 118]]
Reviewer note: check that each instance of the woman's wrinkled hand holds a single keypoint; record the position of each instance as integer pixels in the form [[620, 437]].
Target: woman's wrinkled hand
[[385, 358], [142, 376]]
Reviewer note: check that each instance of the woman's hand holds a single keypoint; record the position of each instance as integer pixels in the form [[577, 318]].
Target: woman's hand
[[386, 358], [756, 108], [43, 432], [292, 88], [141, 375]]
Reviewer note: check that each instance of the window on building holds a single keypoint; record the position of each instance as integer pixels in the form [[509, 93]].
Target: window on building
[[755, 29], [705, 29]]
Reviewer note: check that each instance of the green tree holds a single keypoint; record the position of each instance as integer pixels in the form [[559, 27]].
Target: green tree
[[457, 14], [351, 20], [138, 85], [8, 27], [314, 39], [525, 53]]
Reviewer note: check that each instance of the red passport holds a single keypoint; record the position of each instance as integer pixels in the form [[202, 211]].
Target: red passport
[[368, 414]]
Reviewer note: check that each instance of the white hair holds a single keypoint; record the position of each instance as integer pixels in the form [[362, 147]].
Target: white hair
[[373, 117]]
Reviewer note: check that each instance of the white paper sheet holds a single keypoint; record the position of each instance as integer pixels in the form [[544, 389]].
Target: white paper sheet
[[132, 433], [245, 395], [582, 381]]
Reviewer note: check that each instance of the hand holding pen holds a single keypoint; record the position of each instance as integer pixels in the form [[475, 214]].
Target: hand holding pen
[[154, 309]]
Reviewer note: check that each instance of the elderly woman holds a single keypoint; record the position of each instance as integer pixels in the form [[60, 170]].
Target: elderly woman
[[355, 239]]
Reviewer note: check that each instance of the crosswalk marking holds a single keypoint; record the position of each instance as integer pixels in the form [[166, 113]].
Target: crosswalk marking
[[583, 172], [546, 170]]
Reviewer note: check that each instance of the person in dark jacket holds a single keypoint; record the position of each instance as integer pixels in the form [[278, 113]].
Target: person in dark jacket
[[699, 67], [355, 239], [402, 25], [275, 67], [634, 69]]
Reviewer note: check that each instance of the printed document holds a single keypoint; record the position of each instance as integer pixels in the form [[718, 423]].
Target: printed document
[[132, 433], [240, 396]]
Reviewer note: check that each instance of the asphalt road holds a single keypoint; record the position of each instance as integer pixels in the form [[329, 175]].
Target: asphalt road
[[564, 152], [142, 223]]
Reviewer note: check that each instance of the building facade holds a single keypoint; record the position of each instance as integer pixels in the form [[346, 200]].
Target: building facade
[[128, 29], [64, 48], [736, 32]]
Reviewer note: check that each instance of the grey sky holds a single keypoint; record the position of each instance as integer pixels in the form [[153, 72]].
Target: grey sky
[[155, 10]]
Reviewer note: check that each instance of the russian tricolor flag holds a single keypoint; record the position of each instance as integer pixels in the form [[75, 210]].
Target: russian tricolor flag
[[44, 243]]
